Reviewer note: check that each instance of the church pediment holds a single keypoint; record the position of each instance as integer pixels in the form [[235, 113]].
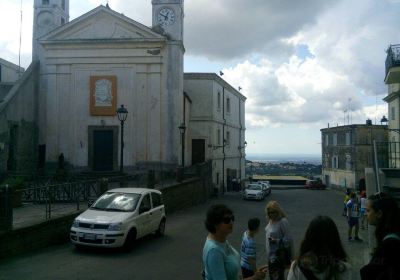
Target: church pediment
[[101, 23]]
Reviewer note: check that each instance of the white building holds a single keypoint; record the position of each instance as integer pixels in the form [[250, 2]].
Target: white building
[[97, 62], [217, 126], [9, 72]]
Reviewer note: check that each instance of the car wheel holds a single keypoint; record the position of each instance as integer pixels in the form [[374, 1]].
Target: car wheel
[[161, 228], [130, 240]]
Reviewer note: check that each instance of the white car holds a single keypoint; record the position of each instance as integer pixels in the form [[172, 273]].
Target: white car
[[253, 191], [119, 217]]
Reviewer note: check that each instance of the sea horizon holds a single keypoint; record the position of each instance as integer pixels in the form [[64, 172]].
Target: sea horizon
[[282, 158]]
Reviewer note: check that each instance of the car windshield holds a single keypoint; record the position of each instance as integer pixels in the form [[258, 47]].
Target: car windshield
[[117, 202], [254, 187]]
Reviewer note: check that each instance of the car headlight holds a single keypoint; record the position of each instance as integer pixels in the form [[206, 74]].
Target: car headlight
[[115, 227], [76, 223]]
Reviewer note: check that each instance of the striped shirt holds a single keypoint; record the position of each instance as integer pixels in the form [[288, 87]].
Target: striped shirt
[[247, 250]]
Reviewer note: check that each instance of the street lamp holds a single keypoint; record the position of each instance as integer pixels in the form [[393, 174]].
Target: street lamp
[[122, 115], [244, 145], [182, 129]]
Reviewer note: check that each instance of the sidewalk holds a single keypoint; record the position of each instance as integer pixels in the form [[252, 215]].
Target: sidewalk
[[31, 214]]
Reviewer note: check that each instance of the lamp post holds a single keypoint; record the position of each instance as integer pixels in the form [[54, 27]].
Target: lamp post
[[122, 115], [182, 129]]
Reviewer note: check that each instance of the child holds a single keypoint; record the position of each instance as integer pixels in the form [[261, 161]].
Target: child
[[248, 248], [352, 216]]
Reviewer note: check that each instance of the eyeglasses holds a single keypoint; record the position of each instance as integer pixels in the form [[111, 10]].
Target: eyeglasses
[[228, 219]]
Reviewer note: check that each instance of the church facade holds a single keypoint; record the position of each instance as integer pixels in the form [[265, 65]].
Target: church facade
[[83, 70], [96, 63]]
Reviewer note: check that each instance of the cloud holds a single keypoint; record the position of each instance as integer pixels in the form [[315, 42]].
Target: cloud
[[226, 29]]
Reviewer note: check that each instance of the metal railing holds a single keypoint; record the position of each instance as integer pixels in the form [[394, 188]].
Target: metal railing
[[392, 58]]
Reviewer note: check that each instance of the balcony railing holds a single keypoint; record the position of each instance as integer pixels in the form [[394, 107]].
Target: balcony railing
[[393, 57]]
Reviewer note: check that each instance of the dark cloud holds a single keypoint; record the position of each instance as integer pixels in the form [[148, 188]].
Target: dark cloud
[[228, 29]]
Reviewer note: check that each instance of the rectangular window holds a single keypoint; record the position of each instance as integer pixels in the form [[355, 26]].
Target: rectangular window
[[334, 140], [228, 105], [45, 2], [219, 137], [348, 162], [392, 113], [63, 4], [62, 21], [326, 140], [348, 138], [228, 138], [335, 162], [219, 100]]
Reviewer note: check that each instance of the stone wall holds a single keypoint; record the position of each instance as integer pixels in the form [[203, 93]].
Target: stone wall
[[18, 124]]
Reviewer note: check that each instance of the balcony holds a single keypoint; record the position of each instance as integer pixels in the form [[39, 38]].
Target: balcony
[[392, 65]]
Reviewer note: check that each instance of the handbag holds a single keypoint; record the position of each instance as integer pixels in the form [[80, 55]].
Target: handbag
[[284, 252]]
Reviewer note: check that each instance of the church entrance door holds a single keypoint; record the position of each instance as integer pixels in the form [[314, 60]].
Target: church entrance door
[[103, 150], [198, 151]]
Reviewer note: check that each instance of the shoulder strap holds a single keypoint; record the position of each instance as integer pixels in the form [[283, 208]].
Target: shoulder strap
[[391, 235], [308, 273]]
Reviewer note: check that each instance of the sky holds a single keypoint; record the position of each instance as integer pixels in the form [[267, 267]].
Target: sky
[[303, 65]]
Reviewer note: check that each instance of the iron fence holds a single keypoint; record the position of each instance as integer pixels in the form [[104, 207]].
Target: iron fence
[[392, 58]]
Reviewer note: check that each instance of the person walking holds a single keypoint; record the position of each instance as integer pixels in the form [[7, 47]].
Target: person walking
[[220, 260], [248, 252], [363, 203], [383, 213], [352, 217], [321, 255], [277, 232]]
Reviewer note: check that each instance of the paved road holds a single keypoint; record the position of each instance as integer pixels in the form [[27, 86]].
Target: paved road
[[178, 254]]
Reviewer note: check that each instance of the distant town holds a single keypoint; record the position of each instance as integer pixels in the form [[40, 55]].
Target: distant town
[[288, 168]]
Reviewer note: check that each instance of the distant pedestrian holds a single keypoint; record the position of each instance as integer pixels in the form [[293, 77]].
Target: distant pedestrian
[[248, 260], [353, 217], [322, 255], [363, 203], [345, 200], [220, 259], [383, 213], [277, 232]]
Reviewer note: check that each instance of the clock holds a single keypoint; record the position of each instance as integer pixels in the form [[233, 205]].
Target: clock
[[166, 16], [45, 18]]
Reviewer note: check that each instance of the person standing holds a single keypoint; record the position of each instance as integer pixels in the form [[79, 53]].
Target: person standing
[[383, 213], [276, 231], [248, 255], [363, 203], [322, 255], [220, 260], [353, 217]]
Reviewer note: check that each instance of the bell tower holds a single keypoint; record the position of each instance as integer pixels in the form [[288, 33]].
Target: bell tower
[[47, 15], [168, 14]]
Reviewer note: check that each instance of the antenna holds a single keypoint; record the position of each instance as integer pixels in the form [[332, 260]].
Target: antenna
[[20, 40]]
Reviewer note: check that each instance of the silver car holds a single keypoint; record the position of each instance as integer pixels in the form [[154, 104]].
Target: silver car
[[253, 191]]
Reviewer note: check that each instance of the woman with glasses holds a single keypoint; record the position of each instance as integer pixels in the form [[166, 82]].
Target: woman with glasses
[[277, 231], [220, 260], [322, 255], [383, 213]]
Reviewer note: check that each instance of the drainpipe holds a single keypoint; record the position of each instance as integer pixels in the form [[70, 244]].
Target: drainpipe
[[223, 139], [240, 143]]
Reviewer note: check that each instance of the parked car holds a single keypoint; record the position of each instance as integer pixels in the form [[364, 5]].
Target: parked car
[[253, 191], [315, 185], [119, 217], [266, 187]]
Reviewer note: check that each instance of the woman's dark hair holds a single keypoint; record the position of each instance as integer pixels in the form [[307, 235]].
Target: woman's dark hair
[[389, 222], [214, 217], [322, 242]]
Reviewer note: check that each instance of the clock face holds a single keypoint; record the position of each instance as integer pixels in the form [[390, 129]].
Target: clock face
[[166, 17]]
